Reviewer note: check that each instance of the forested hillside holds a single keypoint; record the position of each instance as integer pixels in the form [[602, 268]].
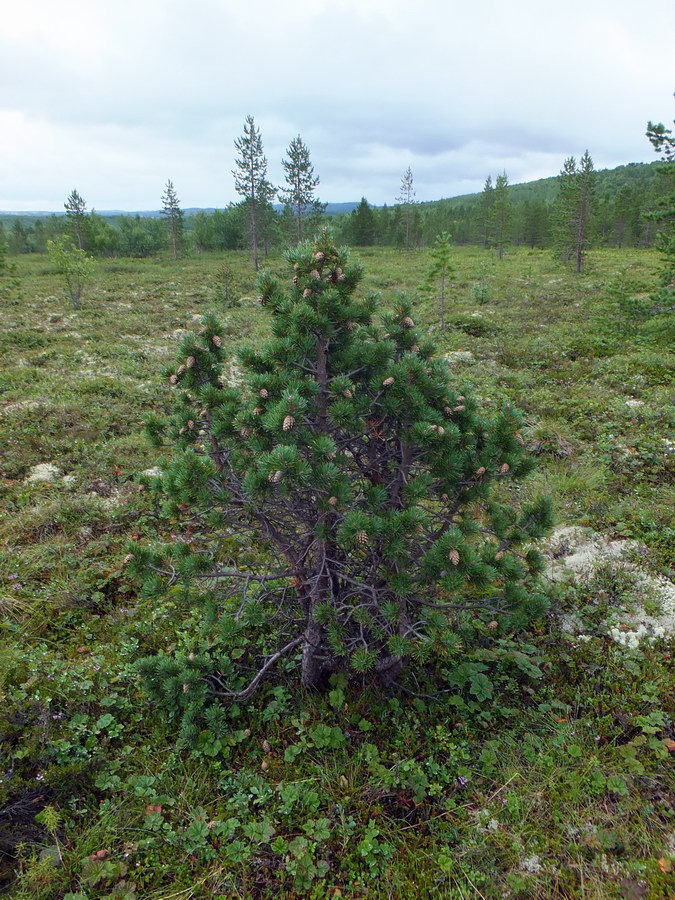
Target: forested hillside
[[622, 199]]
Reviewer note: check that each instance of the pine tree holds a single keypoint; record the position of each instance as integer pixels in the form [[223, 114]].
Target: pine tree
[[250, 181], [174, 218], [359, 472], [299, 196], [663, 143], [486, 213], [574, 209], [501, 213], [440, 273], [76, 209], [407, 200]]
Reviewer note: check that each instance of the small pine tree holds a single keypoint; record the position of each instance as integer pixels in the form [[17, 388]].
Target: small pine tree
[[299, 197], [174, 218], [440, 273], [76, 209], [353, 466]]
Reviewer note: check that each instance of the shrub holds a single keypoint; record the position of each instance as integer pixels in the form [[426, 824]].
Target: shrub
[[361, 480]]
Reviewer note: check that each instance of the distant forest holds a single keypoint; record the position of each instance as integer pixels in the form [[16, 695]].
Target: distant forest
[[622, 198]]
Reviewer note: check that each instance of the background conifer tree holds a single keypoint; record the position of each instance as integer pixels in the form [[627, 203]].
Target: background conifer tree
[[250, 181], [664, 215], [501, 214], [407, 200], [486, 212], [76, 210], [299, 195], [362, 476], [174, 218], [574, 209], [362, 225], [440, 273]]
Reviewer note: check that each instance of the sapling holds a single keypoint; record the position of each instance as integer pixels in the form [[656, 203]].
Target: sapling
[[364, 484], [73, 264]]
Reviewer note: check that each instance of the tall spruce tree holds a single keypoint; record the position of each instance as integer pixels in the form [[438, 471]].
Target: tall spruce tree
[[407, 201], [501, 214], [250, 181], [174, 218], [362, 225], [299, 195], [359, 475], [440, 273], [76, 210]]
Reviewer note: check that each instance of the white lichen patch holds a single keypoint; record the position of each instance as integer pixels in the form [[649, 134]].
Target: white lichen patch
[[25, 404], [634, 404], [46, 472], [531, 864], [575, 553], [459, 356], [153, 472]]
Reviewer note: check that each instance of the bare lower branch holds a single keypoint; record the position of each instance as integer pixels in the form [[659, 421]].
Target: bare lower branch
[[252, 686]]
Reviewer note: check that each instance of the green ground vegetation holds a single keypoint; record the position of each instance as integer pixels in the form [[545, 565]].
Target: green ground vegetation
[[542, 771]]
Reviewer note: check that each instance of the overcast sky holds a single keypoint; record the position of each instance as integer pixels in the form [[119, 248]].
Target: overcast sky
[[113, 97]]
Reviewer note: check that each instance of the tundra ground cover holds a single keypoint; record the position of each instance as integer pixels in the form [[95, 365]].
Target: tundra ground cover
[[542, 775]]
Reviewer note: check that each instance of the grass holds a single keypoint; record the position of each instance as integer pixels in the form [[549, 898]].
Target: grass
[[556, 787]]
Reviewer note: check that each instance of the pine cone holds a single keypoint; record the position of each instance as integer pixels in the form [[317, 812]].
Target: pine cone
[[504, 468], [445, 498], [180, 370], [289, 422], [244, 432], [128, 558], [190, 361], [295, 279], [388, 381], [174, 379], [447, 411], [520, 439], [275, 477], [453, 556], [362, 537], [319, 257], [408, 322], [332, 501], [348, 394], [190, 424], [349, 326], [459, 408], [415, 349], [492, 625], [481, 471], [315, 274], [257, 411], [306, 293], [499, 555], [217, 340]]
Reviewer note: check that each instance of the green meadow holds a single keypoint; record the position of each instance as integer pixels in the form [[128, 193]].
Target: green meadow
[[554, 782]]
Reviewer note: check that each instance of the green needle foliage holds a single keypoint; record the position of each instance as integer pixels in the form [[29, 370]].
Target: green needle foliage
[[363, 483]]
